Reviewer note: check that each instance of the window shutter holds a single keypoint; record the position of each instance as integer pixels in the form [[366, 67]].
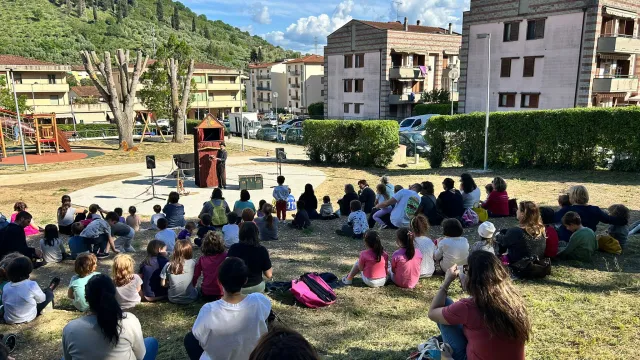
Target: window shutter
[[505, 68], [533, 101], [529, 66], [511, 100], [506, 36], [540, 28], [515, 31]]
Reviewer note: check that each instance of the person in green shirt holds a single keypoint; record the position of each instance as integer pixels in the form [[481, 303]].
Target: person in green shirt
[[86, 265], [582, 244]]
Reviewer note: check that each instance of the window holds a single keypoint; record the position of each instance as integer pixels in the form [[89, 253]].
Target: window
[[297, 105], [535, 29], [356, 108], [529, 66], [346, 108], [348, 61], [54, 99], [511, 31], [321, 92], [529, 100], [359, 85], [348, 85], [505, 67], [322, 80], [52, 78], [507, 100], [17, 78], [359, 60], [232, 80]]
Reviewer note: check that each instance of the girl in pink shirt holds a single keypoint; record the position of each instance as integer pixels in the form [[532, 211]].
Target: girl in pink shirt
[[372, 264], [213, 254], [32, 228], [404, 270]]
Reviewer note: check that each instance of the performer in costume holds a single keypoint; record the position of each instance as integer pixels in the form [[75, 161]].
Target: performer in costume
[[221, 158]]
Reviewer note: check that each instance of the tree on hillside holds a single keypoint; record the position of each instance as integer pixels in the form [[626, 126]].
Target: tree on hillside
[[260, 56], [119, 14], [8, 102], [125, 9], [80, 8], [207, 34], [69, 7], [175, 19], [95, 13], [120, 100], [212, 50], [107, 5], [159, 11], [193, 24], [254, 55]]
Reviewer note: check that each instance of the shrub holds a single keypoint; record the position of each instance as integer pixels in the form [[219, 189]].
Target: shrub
[[356, 143], [316, 110], [442, 109], [553, 139], [436, 96]]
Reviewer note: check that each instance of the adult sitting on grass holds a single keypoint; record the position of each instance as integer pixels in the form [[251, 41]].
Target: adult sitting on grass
[[310, 202], [450, 203], [491, 324], [590, 215], [174, 211], [526, 240], [582, 244], [13, 239], [106, 330], [497, 203], [469, 190], [345, 203], [216, 207], [367, 196], [244, 203], [229, 328], [428, 205], [405, 204], [254, 255], [67, 215]]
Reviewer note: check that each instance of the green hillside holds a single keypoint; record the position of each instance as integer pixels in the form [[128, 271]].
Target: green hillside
[[53, 31]]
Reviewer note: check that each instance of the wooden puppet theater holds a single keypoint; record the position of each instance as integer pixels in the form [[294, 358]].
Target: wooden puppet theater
[[209, 134]]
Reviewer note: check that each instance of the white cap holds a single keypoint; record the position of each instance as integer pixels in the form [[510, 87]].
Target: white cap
[[486, 230]]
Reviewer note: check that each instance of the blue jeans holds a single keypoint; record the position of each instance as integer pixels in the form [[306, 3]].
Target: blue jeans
[[151, 345], [453, 335]]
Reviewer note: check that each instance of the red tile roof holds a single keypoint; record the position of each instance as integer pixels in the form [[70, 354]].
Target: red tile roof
[[397, 26], [86, 91], [77, 68], [262, 65], [311, 59], [19, 60]]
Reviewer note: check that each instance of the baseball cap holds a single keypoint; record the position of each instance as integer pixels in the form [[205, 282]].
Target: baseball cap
[[486, 230]]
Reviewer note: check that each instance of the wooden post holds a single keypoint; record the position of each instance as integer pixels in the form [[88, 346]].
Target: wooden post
[[4, 150], [36, 128], [146, 125], [55, 132], [157, 126]]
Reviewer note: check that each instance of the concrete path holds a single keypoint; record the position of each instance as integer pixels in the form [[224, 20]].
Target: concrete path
[[294, 152]]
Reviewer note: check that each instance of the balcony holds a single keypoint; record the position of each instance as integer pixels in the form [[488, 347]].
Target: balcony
[[395, 99], [619, 44], [295, 97], [294, 73], [409, 73], [42, 88], [295, 86], [264, 77], [203, 104], [263, 88], [264, 100], [608, 84], [222, 86]]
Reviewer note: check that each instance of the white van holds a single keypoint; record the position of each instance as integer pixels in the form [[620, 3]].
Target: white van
[[414, 123], [251, 124]]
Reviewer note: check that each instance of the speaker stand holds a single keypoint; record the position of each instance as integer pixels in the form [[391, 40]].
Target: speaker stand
[[153, 190]]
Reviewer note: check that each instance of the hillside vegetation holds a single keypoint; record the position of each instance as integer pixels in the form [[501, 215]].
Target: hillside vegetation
[[55, 31]]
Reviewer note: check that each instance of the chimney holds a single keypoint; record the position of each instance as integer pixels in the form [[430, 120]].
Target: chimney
[[406, 24], [418, 22], [450, 28]]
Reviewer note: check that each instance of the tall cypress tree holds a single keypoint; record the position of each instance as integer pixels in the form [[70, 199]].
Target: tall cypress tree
[[193, 24], [119, 14], [81, 8], [175, 21], [125, 8], [207, 34], [95, 13], [69, 7], [159, 11]]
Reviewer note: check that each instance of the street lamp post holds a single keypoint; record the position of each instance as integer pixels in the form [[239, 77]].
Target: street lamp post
[[15, 96], [241, 109], [275, 96], [486, 124]]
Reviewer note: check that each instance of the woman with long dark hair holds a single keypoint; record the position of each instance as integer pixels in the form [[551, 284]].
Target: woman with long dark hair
[[67, 215], [174, 211], [106, 330], [491, 324], [469, 190], [267, 225], [254, 255], [217, 202], [310, 201]]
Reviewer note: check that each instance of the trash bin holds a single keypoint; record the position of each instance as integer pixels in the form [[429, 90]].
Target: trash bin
[[250, 182]]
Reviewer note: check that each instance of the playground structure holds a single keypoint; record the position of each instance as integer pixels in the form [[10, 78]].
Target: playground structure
[[39, 131], [146, 117]]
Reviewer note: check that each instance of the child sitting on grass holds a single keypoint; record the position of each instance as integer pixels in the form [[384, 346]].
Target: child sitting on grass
[[248, 215], [260, 213], [453, 249], [404, 269], [167, 236], [357, 223], [547, 214], [128, 283], [158, 215], [563, 201], [301, 220], [150, 270], [419, 225], [231, 230], [188, 231], [213, 254], [22, 298], [488, 189], [582, 244], [204, 227], [85, 267], [486, 242], [119, 211], [619, 232], [4, 265], [77, 244], [372, 263], [326, 209], [178, 273], [133, 220], [52, 247]]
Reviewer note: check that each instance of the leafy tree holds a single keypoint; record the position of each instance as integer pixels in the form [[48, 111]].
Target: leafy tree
[[125, 8], [108, 5], [207, 34], [133, 3], [86, 82], [7, 101], [71, 80], [175, 19], [80, 7], [316, 109], [193, 24], [37, 14], [438, 96], [159, 11], [156, 93], [120, 14], [254, 55], [69, 7], [260, 56], [213, 51]]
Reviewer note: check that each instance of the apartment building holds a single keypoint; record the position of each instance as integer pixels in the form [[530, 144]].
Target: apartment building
[[304, 83], [549, 54], [218, 91], [265, 80], [43, 83], [378, 70]]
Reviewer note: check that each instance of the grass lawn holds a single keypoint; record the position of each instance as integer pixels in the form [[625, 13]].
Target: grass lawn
[[582, 311]]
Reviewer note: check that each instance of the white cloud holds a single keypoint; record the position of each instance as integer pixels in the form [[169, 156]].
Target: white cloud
[[431, 12], [260, 14], [248, 28]]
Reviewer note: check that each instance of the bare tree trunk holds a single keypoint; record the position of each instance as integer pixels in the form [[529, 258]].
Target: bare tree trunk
[[120, 102], [179, 105]]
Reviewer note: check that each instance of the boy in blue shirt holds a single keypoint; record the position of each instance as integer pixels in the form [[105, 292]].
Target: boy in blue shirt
[[281, 194], [77, 245]]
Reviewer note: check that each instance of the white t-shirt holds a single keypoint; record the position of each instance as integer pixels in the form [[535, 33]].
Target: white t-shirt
[[128, 295], [83, 339], [68, 217], [427, 248], [231, 331], [154, 220], [231, 234], [168, 237], [399, 216], [52, 254], [471, 198], [381, 199], [20, 300], [452, 251]]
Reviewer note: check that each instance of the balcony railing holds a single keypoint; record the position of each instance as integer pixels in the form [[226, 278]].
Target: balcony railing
[[396, 99], [294, 73], [294, 85], [624, 44], [295, 97], [405, 73], [267, 100], [615, 83], [264, 88], [42, 88], [264, 77]]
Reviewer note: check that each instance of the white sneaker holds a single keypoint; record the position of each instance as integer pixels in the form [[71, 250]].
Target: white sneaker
[[347, 281]]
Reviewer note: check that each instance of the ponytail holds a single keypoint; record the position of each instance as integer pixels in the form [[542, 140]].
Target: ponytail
[[406, 239], [101, 296], [267, 210], [372, 239], [62, 210]]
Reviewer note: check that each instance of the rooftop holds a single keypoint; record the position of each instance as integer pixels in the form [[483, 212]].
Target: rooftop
[[398, 26], [19, 60], [262, 65], [311, 59], [86, 91]]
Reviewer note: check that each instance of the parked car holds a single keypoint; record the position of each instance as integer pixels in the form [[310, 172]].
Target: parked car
[[414, 122], [291, 123], [164, 123], [294, 136], [266, 134], [414, 141]]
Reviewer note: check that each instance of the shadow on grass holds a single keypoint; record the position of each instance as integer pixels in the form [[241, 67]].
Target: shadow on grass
[[367, 354]]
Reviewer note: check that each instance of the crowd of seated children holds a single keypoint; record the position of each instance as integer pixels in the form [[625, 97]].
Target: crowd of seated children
[[404, 269], [231, 230], [419, 226], [188, 232], [85, 268], [372, 264], [453, 249], [133, 220], [52, 247], [157, 209], [150, 270], [128, 283], [213, 254], [357, 223], [167, 236], [582, 245], [178, 273]]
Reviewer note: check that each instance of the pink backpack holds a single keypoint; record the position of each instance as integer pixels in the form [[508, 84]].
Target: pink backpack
[[313, 292]]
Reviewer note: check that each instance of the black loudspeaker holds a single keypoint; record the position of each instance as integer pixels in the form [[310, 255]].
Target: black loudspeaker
[[151, 161], [280, 154]]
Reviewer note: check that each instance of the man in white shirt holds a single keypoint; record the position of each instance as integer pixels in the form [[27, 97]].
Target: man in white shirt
[[229, 328], [406, 203]]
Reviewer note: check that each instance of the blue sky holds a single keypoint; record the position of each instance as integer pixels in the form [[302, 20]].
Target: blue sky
[[294, 24]]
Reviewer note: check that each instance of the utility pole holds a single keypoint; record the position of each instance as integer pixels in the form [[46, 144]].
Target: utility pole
[[315, 44]]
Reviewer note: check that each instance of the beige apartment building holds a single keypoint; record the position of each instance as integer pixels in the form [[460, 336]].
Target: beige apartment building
[[266, 79], [378, 70], [304, 83], [549, 54], [218, 91]]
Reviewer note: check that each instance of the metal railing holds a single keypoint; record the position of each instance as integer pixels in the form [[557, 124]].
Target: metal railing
[[263, 88], [626, 36], [293, 85], [616, 76]]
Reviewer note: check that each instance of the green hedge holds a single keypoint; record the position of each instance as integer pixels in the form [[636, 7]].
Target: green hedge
[[356, 143], [82, 127], [442, 109], [552, 139]]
